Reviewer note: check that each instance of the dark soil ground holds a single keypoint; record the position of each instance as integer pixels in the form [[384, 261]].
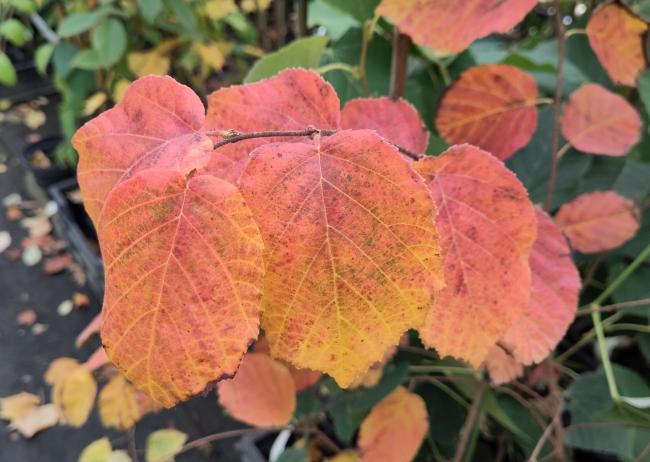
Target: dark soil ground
[[24, 357]]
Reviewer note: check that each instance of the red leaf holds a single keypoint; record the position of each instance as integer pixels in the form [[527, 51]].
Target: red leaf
[[293, 100], [395, 120], [262, 393], [487, 228], [617, 37], [183, 262], [553, 298], [158, 123], [351, 249], [597, 121], [492, 107], [394, 429], [451, 26], [598, 221]]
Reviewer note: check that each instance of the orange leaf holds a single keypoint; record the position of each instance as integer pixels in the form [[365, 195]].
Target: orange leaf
[[158, 123], [450, 26], [352, 255], [597, 121], [183, 261], [293, 100], [395, 120], [394, 429], [598, 221], [503, 367], [492, 107], [262, 393], [617, 37], [553, 298], [487, 228], [303, 378]]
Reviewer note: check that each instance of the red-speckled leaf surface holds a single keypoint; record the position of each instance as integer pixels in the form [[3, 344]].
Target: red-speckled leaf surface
[[451, 26], [262, 393], [553, 298], [492, 107], [183, 262], [395, 120], [394, 429], [597, 121], [352, 253], [598, 221], [158, 123], [487, 227], [293, 100], [617, 36]]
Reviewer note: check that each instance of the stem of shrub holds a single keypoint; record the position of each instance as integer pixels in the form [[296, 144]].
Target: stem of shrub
[[399, 61], [471, 424]]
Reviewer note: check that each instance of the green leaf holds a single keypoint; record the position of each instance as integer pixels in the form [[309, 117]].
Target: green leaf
[[354, 405], [644, 89], [88, 59], [184, 14], [77, 23], [109, 41], [150, 9], [162, 445], [42, 57], [294, 455], [304, 52], [64, 53], [24, 6], [15, 32], [8, 76], [624, 441], [321, 13], [361, 10], [635, 287]]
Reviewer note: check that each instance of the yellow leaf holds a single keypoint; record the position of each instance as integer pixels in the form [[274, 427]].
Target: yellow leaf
[[94, 102], [120, 89], [121, 405], [218, 9], [162, 445], [119, 456], [15, 406], [97, 451], [143, 63], [254, 5], [60, 368], [74, 396], [36, 419], [210, 54], [349, 455]]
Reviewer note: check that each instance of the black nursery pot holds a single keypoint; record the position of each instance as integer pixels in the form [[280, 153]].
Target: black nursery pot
[[45, 177], [72, 224]]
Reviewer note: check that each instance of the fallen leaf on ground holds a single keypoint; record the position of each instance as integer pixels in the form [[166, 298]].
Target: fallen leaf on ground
[[26, 318], [74, 396], [55, 265], [5, 240], [80, 300], [37, 226], [37, 419], [65, 308], [32, 255], [38, 328], [16, 406], [13, 213]]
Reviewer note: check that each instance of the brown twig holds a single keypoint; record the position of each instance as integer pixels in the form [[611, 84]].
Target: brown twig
[[470, 421], [233, 136], [557, 109], [614, 307], [398, 65], [301, 18], [555, 422], [133, 453]]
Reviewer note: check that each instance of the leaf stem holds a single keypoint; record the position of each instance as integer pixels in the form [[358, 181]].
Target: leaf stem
[[355, 71], [471, 423], [424, 368], [399, 62], [557, 109], [540, 101], [613, 307], [368, 31], [577, 31]]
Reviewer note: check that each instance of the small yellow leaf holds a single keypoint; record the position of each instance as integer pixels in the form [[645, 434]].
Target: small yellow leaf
[[37, 419], [60, 368], [349, 455], [218, 9], [254, 5], [121, 405], [97, 451], [94, 102], [74, 396], [120, 89], [15, 406], [119, 456], [143, 63], [210, 54], [162, 445]]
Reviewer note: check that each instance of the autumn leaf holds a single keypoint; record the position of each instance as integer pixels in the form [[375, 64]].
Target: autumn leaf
[[158, 123], [183, 262], [352, 255], [492, 107], [74, 395], [121, 405], [395, 120], [394, 429], [502, 366], [293, 100], [98, 451], [617, 37], [598, 221], [59, 369], [16, 406], [163, 445], [35, 420], [303, 378], [597, 121], [487, 228], [451, 27], [262, 393]]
